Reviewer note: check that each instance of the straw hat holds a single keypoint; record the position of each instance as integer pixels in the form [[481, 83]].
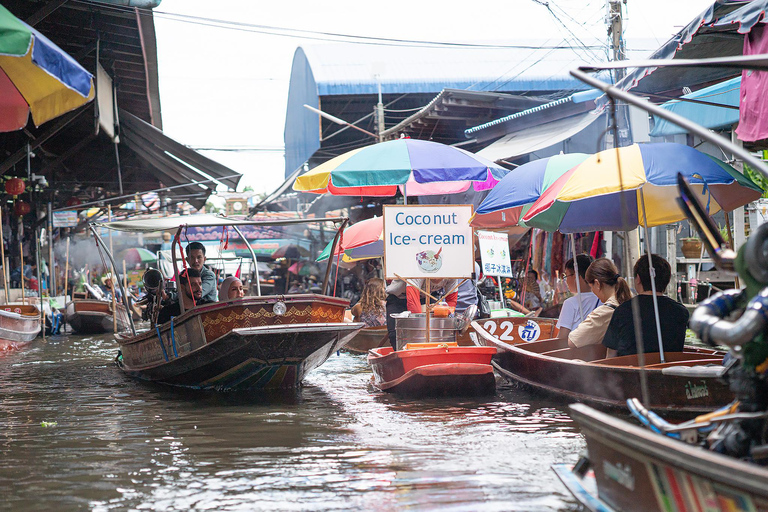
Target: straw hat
[[104, 279]]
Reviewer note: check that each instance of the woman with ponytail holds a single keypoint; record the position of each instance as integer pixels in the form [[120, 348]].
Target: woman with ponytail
[[612, 290]]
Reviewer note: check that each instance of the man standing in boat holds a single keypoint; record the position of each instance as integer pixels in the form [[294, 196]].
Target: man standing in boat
[[196, 260], [190, 291]]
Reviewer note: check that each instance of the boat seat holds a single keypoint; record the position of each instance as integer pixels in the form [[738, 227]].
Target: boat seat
[[586, 353]]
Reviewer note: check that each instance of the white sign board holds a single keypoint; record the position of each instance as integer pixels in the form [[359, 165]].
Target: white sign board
[[494, 253], [65, 219], [428, 241]]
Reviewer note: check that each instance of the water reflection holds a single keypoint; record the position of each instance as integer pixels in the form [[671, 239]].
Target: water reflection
[[335, 444]]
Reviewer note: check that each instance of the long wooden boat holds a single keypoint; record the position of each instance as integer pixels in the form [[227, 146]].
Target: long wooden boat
[[633, 469], [368, 338], [688, 381], [19, 325], [268, 342], [94, 316], [433, 369]]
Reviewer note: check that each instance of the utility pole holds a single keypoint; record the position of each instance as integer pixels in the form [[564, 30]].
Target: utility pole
[[615, 22], [379, 113]]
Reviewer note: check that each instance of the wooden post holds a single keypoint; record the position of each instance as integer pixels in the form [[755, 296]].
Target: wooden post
[[114, 305], [428, 321], [21, 247], [66, 271], [6, 274]]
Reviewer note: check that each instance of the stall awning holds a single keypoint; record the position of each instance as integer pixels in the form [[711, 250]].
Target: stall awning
[[537, 137], [709, 116], [176, 164]]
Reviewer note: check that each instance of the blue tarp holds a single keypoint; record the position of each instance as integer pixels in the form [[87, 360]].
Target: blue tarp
[[724, 93]]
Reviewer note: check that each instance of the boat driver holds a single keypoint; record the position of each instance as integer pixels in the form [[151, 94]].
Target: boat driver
[[437, 288], [196, 260], [190, 291]]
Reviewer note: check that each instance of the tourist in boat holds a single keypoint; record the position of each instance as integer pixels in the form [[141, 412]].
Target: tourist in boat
[[533, 298], [572, 315], [673, 317], [612, 290], [467, 292], [231, 288], [196, 260], [371, 308], [190, 291], [445, 288]]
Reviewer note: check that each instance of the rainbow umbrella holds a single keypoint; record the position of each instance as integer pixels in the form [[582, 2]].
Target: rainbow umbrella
[[138, 256], [36, 76], [418, 167], [518, 190], [363, 240], [592, 197]]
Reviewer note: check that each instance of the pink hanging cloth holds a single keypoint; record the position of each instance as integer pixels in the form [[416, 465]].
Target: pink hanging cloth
[[753, 102]]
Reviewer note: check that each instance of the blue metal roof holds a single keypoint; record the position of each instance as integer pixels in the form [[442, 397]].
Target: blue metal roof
[[724, 93]]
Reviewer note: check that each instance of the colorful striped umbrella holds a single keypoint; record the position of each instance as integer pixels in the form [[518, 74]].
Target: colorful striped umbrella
[[518, 190], [36, 76], [363, 240], [418, 167], [591, 197]]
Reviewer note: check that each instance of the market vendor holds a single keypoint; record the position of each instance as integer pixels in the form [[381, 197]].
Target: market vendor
[[437, 288]]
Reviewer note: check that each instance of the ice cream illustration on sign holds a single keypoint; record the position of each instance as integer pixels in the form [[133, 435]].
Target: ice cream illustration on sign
[[429, 261]]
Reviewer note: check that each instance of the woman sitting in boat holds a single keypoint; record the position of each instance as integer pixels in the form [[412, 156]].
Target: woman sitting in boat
[[437, 287], [190, 291], [371, 308], [571, 315], [231, 288], [612, 290]]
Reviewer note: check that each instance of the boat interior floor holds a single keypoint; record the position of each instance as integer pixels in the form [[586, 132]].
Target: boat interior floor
[[595, 354]]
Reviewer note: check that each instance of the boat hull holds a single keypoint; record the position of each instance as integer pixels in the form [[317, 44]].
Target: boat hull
[[689, 382], [240, 345], [367, 339], [436, 371], [513, 329], [638, 470], [19, 325], [90, 316]]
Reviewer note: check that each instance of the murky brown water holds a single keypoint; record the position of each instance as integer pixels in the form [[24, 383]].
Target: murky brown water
[[334, 445]]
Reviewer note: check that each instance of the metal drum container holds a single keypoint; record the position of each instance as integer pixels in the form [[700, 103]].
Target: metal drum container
[[413, 329]]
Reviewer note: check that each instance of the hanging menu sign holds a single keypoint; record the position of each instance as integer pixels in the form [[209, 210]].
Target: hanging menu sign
[[494, 253]]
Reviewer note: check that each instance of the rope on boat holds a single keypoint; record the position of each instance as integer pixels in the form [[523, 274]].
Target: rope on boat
[[162, 346], [173, 340]]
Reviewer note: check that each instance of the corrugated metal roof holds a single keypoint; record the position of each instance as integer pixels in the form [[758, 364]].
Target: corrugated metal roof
[[351, 69]]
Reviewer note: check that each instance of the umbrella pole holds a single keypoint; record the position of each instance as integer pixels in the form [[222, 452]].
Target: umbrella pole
[[577, 276], [21, 248], [428, 320], [2, 252], [653, 280]]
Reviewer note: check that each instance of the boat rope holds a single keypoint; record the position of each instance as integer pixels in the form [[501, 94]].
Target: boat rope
[[162, 346], [173, 340]]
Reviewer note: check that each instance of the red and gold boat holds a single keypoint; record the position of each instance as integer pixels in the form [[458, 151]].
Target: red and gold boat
[[19, 325], [433, 369]]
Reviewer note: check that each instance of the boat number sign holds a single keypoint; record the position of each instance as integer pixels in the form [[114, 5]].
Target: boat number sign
[[432, 241], [530, 331]]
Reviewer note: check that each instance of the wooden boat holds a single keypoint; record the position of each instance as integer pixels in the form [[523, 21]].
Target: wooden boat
[[633, 469], [94, 316], [688, 381], [433, 369], [251, 343], [19, 325], [368, 338], [513, 329]]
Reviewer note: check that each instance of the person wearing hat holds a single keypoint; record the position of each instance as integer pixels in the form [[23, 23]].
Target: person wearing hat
[[196, 260], [109, 287]]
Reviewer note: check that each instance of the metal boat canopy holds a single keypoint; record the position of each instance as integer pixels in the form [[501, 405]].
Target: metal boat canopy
[[202, 220]]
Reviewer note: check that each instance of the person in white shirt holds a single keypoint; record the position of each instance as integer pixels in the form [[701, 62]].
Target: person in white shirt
[[571, 315]]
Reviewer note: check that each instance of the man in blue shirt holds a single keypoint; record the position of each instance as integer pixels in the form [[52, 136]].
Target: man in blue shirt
[[196, 260]]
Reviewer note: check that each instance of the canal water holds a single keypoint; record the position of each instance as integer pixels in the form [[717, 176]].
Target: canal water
[[76, 434]]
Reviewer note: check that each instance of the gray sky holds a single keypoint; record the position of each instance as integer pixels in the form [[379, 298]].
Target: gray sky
[[226, 85]]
